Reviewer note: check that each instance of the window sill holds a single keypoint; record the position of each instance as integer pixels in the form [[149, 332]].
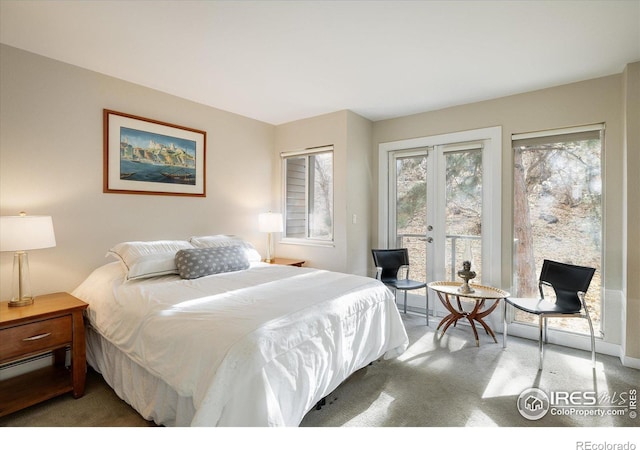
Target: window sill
[[307, 242]]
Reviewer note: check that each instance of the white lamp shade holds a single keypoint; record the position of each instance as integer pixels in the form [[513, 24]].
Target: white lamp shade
[[270, 222], [19, 233]]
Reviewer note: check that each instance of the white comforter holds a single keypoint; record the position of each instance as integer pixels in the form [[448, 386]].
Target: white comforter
[[251, 348]]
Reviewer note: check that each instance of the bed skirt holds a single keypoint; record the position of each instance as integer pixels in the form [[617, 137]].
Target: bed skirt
[[154, 399]]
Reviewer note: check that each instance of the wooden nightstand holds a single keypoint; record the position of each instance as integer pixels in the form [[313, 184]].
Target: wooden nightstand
[[288, 262], [53, 323]]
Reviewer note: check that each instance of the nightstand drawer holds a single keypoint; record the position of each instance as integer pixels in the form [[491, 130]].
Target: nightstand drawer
[[34, 337]]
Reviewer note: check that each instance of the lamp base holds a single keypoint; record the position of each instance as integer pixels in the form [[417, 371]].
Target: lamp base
[[22, 295], [22, 302], [269, 258]]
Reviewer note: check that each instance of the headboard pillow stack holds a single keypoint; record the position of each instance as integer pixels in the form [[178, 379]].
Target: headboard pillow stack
[[146, 259]]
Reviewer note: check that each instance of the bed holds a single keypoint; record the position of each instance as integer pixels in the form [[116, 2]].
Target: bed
[[201, 333]]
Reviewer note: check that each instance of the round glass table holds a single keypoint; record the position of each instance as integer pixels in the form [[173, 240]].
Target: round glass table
[[448, 291]]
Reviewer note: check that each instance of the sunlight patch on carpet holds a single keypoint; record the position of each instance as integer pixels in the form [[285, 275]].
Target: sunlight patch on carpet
[[425, 345], [479, 419], [506, 380], [375, 415]]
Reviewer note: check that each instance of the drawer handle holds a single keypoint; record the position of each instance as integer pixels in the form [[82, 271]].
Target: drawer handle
[[39, 336]]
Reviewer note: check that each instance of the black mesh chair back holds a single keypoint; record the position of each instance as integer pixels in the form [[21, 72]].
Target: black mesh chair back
[[390, 261], [567, 280]]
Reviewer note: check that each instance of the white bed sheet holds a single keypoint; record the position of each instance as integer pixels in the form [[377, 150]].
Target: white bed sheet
[[251, 348]]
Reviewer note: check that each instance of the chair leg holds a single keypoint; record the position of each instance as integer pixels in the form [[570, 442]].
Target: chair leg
[[546, 331], [541, 342], [593, 342], [426, 295], [405, 301], [504, 324]]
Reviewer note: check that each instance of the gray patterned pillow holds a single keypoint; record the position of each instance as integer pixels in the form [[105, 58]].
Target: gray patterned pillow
[[199, 262]]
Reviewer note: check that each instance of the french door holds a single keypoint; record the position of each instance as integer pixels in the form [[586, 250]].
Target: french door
[[436, 207], [410, 173]]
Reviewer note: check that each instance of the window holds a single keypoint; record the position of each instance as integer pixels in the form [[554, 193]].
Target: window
[[308, 192], [558, 210]]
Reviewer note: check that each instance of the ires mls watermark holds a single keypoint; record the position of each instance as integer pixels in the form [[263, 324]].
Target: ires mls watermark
[[534, 403], [589, 445]]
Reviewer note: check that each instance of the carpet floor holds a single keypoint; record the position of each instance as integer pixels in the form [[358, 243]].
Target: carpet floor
[[440, 381]]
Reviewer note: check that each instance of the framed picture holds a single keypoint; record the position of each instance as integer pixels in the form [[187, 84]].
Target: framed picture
[[144, 156]]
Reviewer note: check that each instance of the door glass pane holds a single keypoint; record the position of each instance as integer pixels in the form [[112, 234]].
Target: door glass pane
[[411, 213], [463, 218], [558, 214]]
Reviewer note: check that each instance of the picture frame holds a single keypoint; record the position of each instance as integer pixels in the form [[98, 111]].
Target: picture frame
[[150, 157]]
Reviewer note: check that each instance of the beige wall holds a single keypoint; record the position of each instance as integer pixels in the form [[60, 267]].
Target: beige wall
[[350, 136], [360, 194], [51, 163], [588, 102]]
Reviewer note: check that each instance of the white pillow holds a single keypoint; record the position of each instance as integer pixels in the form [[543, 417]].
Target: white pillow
[[226, 240], [142, 259]]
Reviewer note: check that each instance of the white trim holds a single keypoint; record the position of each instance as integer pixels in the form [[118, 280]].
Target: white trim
[[628, 361], [558, 131], [462, 146], [307, 151], [309, 242]]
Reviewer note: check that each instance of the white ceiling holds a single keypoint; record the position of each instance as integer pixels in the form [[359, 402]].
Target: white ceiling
[[278, 61]]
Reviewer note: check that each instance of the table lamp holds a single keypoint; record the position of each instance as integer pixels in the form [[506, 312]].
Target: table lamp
[[19, 234], [270, 223]]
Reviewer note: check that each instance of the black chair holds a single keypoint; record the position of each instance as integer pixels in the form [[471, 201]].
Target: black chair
[[389, 263], [570, 284]]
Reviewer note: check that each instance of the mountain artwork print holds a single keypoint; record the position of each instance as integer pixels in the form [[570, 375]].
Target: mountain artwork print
[[146, 156]]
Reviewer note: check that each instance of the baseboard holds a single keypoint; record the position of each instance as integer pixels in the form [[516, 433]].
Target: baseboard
[[29, 365], [628, 361]]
